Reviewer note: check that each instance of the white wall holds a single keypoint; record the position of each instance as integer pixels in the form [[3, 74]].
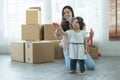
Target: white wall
[[1, 24], [47, 12], [106, 47], [1, 10]]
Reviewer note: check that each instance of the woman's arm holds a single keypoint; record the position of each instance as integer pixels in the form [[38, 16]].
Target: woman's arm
[[86, 45], [91, 34]]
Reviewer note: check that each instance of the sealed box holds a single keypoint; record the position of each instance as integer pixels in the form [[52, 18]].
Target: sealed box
[[93, 51], [38, 52], [36, 7], [18, 51], [33, 16], [58, 49], [32, 32], [49, 32]]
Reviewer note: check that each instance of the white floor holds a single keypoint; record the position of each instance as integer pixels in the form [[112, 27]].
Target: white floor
[[107, 68]]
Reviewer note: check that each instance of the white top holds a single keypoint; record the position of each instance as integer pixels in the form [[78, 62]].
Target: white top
[[76, 45]]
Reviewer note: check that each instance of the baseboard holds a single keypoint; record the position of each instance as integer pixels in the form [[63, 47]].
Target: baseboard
[[110, 54]]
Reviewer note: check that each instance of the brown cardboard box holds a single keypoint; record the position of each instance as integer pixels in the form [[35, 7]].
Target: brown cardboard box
[[32, 32], [39, 8], [58, 49], [37, 52], [93, 51], [18, 51], [33, 16], [49, 32]]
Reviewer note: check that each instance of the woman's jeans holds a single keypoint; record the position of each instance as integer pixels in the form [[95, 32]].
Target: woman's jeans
[[89, 62], [67, 59]]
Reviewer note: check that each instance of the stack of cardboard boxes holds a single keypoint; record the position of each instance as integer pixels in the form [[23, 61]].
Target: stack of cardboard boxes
[[38, 43], [31, 31]]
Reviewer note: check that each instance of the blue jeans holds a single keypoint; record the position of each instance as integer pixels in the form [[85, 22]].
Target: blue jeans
[[73, 64], [67, 59], [89, 62]]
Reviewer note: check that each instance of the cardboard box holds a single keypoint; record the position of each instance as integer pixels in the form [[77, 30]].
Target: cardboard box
[[33, 16], [39, 8], [49, 32], [58, 50], [38, 52], [93, 51], [32, 32], [18, 51]]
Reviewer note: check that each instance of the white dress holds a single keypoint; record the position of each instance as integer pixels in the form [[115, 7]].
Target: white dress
[[76, 45]]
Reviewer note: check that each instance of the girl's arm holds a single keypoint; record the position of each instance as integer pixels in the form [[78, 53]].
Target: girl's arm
[[61, 31]]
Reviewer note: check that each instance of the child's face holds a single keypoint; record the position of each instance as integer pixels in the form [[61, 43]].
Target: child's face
[[75, 24]]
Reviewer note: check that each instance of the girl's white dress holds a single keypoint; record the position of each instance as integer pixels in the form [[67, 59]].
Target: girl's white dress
[[76, 45]]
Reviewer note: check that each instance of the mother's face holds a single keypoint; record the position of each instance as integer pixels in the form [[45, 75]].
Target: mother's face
[[67, 14]]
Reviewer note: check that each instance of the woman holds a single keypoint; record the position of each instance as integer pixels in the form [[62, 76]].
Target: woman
[[67, 15]]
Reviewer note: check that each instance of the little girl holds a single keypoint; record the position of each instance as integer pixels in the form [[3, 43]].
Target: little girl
[[77, 45]]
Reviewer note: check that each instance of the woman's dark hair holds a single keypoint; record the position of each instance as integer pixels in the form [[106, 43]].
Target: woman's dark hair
[[81, 22], [64, 22]]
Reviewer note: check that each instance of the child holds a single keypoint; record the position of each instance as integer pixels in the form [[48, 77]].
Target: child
[[77, 45]]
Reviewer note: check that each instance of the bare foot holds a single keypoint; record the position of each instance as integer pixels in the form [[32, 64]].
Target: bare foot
[[72, 71], [81, 74]]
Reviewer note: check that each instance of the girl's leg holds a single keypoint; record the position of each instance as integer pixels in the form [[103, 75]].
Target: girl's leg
[[73, 63], [67, 59], [81, 65], [90, 63]]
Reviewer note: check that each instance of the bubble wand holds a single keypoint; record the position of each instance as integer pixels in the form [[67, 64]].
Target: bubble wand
[[91, 41], [55, 24]]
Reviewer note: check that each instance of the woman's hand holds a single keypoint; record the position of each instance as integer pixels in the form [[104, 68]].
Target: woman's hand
[[91, 34], [86, 51]]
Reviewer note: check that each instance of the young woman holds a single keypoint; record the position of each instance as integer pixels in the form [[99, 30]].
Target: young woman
[[67, 15]]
